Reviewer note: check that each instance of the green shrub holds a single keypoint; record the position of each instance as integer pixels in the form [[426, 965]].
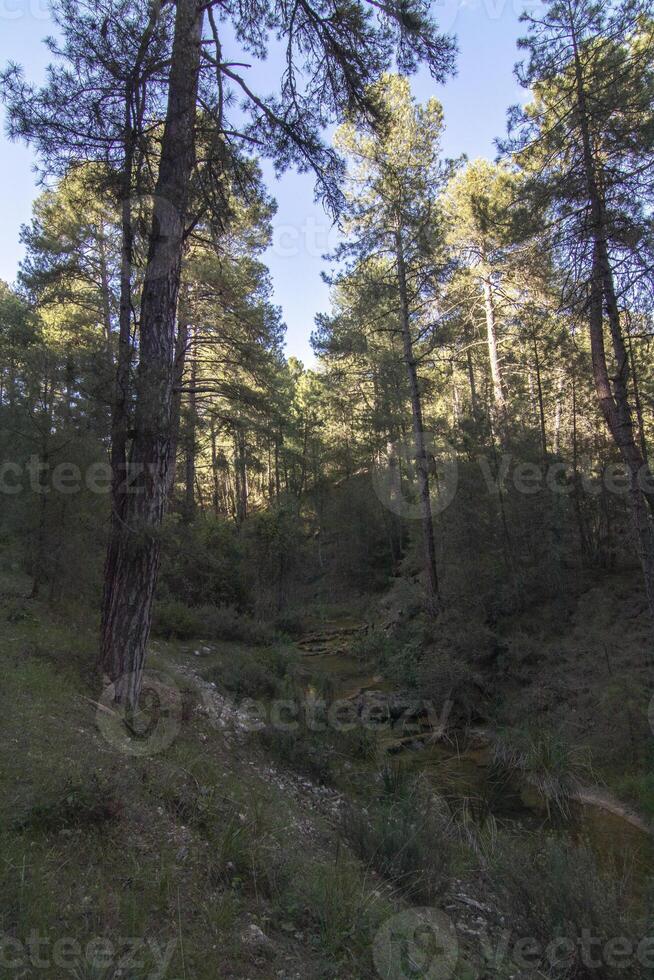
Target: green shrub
[[291, 624], [175, 621], [202, 563], [243, 677], [554, 889], [408, 836], [373, 645], [548, 762], [344, 908], [304, 750], [226, 623], [638, 789], [78, 804]]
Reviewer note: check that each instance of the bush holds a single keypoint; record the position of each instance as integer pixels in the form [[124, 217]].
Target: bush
[[244, 675], [78, 804], [245, 678], [343, 907], [554, 889], [407, 836], [638, 789], [303, 750], [175, 621], [555, 768], [291, 624], [226, 623], [373, 645], [202, 564]]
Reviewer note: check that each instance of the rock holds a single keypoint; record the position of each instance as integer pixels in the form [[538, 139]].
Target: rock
[[255, 939]]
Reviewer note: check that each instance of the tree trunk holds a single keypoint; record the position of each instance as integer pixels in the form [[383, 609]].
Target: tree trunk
[[558, 415], [132, 578], [120, 408], [614, 403], [539, 390], [638, 405], [471, 380], [421, 459], [493, 356], [181, 349], [190, 448]]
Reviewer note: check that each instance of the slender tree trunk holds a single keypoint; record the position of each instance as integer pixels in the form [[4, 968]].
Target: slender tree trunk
[[614, 402], [558, 415], [472, 382], [121, 403], [422, 462], [133, 577], [191, 436], [240, 474], [181, 350], [539, 390], [214, 469], [493, 355], [278, 441], [638, 405], [106, 292]]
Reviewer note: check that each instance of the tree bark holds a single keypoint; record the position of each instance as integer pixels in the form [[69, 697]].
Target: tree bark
[[493, 356], [191, 435], [539, 391], [421, 458], [132, 579], [614, 402]]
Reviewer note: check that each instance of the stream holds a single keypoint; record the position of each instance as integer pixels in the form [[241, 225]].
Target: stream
[[619, 837]]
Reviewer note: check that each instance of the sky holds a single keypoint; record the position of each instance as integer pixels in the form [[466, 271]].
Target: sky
[[474, 101]]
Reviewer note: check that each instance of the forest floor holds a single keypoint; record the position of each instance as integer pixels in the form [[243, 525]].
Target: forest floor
[[205, 859], [218, 852]]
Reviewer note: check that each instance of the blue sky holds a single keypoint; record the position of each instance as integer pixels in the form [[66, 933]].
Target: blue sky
[[475, 104]]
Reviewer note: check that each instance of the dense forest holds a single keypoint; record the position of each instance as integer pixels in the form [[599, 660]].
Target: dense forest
[[341, 671]]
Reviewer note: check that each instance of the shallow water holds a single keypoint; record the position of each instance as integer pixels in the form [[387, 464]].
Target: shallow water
[[467, 776]]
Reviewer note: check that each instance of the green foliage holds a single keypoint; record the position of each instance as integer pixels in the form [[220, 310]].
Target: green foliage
[[555, 888], [373, 646], [407, 836], [551, 765], [87, 804], [308, 752], [202, 565], [345, 909], [637, 789], [175, 620]]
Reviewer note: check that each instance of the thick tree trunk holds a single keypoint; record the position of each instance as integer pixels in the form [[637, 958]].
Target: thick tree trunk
[[133, 576], [421, 458]]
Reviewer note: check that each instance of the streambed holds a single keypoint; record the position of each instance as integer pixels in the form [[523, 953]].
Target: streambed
[[461, 765]]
